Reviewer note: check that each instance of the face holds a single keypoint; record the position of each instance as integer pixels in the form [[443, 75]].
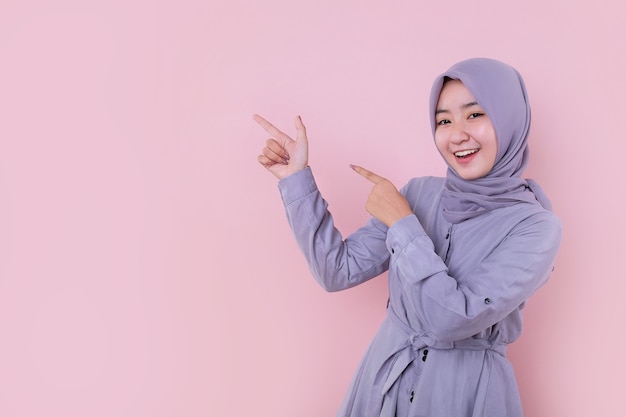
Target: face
[[464, 134]]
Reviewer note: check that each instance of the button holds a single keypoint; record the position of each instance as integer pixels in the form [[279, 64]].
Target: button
[[412, 395], [393, 250], [487, 300], [425, 354]]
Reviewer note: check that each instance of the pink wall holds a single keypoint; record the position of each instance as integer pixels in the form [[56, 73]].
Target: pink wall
[[146, 268]]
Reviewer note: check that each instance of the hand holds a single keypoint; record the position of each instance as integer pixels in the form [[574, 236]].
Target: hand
[[283, 156], [385, 201]]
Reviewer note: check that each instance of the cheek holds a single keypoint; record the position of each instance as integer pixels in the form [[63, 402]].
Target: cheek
[[492, 142], [488, 140], [440, 143]]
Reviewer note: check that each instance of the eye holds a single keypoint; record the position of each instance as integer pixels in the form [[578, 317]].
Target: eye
[[443, 122], [475, 115]]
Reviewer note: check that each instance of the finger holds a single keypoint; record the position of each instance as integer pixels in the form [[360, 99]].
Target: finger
[[273, 156], [367, 174], [271, 129], [277, 149], [265, 161]]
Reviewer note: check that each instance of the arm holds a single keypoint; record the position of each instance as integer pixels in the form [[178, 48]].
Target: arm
[[336, 264], [451, 309]]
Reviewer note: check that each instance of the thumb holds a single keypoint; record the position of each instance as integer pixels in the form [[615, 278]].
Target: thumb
[[301, 131]]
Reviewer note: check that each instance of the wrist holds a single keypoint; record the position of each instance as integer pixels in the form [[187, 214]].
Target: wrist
[[293, 171], [395, 219]]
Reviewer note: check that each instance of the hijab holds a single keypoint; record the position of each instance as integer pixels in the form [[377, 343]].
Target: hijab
[[499, 89]]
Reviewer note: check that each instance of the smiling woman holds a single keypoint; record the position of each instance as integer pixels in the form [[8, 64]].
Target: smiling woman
[[464, 252], [464, 135]]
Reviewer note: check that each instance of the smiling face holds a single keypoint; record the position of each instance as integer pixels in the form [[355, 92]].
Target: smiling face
[[464, 134]]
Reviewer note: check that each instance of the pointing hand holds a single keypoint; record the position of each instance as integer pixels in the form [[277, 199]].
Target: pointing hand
[[385, 201], [283, 156]]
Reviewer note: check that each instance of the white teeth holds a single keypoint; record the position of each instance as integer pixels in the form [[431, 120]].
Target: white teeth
[[465, 153]]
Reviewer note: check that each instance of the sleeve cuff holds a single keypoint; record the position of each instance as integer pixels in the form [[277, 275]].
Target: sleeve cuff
[[297, 185], [403, 232]]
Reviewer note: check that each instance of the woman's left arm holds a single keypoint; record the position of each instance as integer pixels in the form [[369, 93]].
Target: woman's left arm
[[451, 310]]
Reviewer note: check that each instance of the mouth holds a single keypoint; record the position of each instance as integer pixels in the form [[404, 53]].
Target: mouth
[[465, 153]]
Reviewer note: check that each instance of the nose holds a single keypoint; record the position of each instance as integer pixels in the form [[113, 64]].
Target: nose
[[458, 133]]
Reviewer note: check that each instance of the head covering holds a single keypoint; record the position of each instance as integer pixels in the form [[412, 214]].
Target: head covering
[[499, 89]]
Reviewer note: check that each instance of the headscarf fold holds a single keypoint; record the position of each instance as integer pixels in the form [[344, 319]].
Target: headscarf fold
[[499, 89]]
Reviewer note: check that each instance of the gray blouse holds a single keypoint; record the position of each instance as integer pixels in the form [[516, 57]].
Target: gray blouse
[[456, 294]]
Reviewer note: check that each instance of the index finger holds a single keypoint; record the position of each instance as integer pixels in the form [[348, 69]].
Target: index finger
[[367, 174], [270, 128]]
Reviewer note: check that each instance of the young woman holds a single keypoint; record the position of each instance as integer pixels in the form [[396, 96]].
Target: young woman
[[464, 252]]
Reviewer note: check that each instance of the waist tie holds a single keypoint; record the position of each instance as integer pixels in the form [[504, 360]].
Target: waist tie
[[414, 342]]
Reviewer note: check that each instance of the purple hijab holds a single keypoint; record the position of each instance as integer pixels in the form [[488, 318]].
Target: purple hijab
[[499, 89]]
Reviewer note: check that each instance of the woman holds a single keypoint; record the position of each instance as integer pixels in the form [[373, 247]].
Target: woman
[[464, 252]]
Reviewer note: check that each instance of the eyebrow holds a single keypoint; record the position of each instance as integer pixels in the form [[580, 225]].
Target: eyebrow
[[464, 106]]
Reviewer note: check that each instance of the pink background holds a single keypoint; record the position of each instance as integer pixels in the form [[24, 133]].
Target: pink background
[[146, 268]]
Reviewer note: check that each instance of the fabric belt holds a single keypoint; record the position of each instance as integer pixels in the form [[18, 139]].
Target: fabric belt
[[408, 352]]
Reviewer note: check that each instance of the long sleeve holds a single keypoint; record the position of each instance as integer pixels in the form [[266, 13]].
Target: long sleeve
[[335, 263], [491, 272]]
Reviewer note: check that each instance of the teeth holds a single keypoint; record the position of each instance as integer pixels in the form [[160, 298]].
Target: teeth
[[465, 153]]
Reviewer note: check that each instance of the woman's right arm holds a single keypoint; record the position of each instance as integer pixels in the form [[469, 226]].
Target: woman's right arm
[[336, 264]]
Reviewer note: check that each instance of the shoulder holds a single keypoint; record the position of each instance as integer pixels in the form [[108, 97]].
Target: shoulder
[[535, 214], [545, 221], [424, 197], [424, 185], [524, 235], [520, 221], [529, 221]]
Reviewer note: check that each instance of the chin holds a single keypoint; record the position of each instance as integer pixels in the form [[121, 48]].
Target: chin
[[469, 176]]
